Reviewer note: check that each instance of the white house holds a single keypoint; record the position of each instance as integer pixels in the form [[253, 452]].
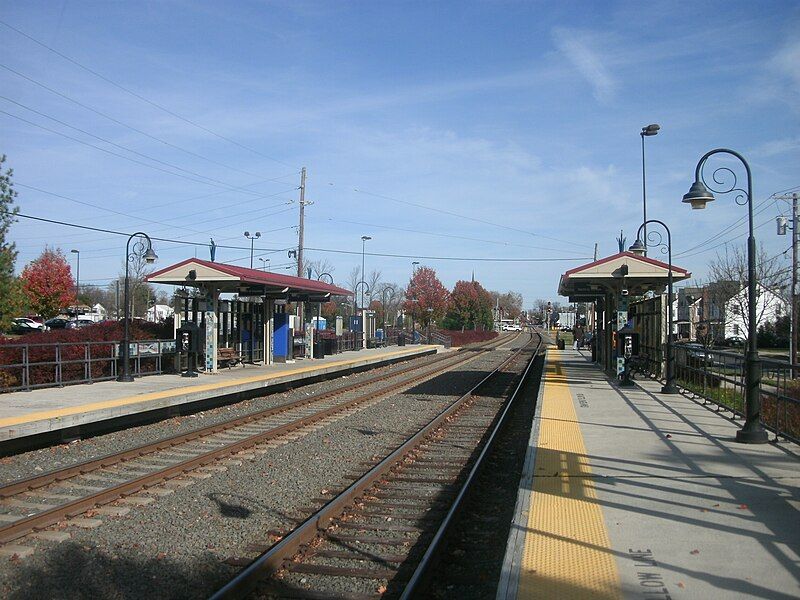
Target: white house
[[769, 306], [159, 313]]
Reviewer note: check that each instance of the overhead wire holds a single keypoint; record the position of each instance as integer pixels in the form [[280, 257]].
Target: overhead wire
[[143, 98], [324, 250], [117, 121]]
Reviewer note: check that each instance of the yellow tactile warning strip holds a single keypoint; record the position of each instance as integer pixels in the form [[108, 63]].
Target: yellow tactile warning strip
[[567, 549], [72, 410]]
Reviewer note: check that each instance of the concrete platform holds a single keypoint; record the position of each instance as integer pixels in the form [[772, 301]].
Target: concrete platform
[[629, 493], [37, 417]]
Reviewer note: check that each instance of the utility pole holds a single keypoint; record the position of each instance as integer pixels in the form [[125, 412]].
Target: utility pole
[[793, 321], [302, 219]]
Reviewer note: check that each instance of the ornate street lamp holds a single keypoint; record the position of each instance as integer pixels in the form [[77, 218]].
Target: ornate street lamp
[[77, 281], [698, 196], [654, 240], [383, 301], [140, 250], [319, 307], [364, 239]]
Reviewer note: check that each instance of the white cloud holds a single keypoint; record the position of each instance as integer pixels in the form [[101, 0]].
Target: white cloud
[[578, 48]]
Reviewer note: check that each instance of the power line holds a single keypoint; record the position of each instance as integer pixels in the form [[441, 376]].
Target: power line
[[329, 250], [445, 235], [143, 98], [460, 216], [117, 121], [116, 145], [214, 182]]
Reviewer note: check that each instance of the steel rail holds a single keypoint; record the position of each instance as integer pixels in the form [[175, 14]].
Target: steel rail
[[429, 557], [273, 559], [46, 518]]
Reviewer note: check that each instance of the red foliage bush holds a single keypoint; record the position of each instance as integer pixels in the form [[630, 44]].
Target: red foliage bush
[[70, 346], [460, 338]]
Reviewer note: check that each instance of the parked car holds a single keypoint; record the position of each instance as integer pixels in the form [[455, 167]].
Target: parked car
[[56, 323], [735, 341], [79, 323], [695, 352], [23, 325]]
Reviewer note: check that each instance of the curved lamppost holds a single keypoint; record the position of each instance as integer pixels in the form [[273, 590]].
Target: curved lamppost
[[698, 196], [384, 303], [365, 289], [140, 250], [319, 307], [653, 239]]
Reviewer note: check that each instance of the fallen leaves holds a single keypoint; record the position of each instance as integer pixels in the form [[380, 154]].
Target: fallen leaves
[[695, 551]]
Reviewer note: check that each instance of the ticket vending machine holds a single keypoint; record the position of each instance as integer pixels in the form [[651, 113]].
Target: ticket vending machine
[[627, 348], [190, 340]]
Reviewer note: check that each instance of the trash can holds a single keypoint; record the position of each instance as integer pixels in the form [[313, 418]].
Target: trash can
[[319, 349], [401, 339], [560, 344]]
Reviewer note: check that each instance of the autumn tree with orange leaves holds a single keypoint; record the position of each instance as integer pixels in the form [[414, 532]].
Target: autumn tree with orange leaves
[[47, 283], [470, 306], [426, 297]]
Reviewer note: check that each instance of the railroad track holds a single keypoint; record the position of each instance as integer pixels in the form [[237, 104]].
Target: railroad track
[[86, 489], [378, 537]]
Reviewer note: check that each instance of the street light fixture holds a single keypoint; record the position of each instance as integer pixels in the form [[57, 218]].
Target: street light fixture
[[654, 240], [140, 251], [77, 281], [264, 263], [364, 239], [698, 196], [252, 239], [319, 305], [647, 131]]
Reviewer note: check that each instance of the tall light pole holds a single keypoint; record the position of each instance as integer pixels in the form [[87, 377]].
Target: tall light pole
[[77, 281], [140, 250], [252, 239], [655, 240], [647, 131], [364, 239], [264, 263], [698, 196]]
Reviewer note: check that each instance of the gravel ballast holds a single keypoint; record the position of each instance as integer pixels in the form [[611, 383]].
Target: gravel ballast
[[175, 547]]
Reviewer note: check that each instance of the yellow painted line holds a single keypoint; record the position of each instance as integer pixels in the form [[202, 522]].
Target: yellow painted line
[[72, 410], [567, 550]]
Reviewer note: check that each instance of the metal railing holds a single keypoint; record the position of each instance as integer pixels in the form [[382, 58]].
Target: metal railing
[[56, 364], [718, 377]]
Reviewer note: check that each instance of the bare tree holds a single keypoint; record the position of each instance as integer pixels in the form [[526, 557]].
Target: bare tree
[[319, 266], [728, 280]]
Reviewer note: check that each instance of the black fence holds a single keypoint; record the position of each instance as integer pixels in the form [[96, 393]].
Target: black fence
[[55, 364], [718, 377]]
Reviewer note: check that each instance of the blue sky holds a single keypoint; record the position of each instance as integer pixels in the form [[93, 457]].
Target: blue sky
[[481, 130]]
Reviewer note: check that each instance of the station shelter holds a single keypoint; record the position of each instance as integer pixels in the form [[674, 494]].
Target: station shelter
[[617, 286], [254, 320]]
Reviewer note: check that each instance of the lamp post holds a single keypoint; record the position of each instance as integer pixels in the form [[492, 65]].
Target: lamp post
[[647, 131], [655, 240], [383, 301], [252, 239], [140, 250], [77, 281], [698, 196], [364, 239], [264, 263], [319, 306]]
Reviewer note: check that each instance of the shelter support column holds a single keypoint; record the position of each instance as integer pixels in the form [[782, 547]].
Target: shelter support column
[[269, 309]]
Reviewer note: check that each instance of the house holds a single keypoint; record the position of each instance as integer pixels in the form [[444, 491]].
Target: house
[[159, 313], [769, 307]]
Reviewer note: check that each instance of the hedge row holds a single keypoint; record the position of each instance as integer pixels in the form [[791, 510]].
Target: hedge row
[[71, 346], [460, 338]]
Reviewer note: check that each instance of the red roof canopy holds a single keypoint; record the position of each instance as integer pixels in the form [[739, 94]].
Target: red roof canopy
[[229, 278]]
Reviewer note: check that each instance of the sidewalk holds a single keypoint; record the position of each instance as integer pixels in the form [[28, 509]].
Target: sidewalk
[[65, 410], [628, 493]]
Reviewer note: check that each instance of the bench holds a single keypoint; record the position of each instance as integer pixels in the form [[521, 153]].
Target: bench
[[228, 357]]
